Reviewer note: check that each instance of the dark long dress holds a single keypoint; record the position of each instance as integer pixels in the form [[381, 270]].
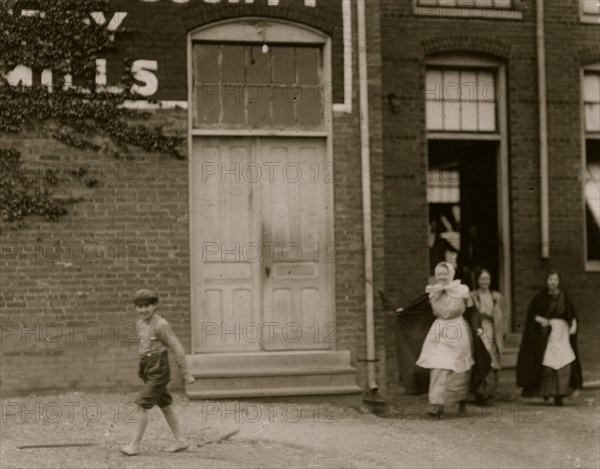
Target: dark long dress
[[531, 374], [412, 327]]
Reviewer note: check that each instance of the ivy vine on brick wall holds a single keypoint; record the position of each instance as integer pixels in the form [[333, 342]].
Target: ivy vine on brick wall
[[62, 37], [22, 195]]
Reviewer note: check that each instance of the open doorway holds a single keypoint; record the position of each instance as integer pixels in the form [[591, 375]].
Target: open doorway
[[462, 195]]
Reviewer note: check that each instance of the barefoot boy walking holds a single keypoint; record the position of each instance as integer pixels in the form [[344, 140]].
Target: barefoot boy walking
[[156, 336]]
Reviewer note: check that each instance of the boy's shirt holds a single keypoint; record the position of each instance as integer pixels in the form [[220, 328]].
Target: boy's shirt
[[156, 336]]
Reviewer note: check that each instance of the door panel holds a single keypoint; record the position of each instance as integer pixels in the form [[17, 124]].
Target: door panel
[[296, 227], [262, 219], [223, 213]]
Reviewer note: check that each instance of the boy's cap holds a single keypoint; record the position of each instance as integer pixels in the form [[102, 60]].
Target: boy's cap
[[145, 297]]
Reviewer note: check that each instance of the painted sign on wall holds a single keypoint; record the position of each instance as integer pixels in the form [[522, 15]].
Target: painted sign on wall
[[158, 48]]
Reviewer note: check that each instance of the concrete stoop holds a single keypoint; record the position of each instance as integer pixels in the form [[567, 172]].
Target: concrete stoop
[[271, 374], [509, 357]]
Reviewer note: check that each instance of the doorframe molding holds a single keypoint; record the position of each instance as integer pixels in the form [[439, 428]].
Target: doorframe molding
[[279, 33], [502, 162], [248, 133], [589, 265]]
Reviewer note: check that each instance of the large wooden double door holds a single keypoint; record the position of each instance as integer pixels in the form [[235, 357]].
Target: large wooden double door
[[262, 244]]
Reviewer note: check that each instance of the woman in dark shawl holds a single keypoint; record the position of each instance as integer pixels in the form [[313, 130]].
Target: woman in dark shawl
[[548, 365]]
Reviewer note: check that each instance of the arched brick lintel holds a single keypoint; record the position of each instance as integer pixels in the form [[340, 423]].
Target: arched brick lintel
[[589, 55], [466, 44], [200, 14]]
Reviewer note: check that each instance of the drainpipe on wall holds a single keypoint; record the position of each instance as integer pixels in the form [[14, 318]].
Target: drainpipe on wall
[[366, 193], [543, 131]]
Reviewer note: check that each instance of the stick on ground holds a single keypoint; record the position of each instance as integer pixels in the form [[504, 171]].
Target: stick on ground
[[221, 437], [55, 445]]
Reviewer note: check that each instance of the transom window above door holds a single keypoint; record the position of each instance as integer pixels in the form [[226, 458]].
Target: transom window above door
[[460, 100], [467, 3], [257, 86]]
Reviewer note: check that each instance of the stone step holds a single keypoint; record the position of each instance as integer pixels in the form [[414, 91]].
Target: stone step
[[269, 374], [283, 380], [592, 384], [509, 357], [274, 392], [303, 358], [250, 372]]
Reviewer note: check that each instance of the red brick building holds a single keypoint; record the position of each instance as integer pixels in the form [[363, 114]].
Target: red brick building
[[254, 241], [465, 141], [309, 163]]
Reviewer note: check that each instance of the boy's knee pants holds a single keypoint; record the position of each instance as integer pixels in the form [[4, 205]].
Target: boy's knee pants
[[154, 371]]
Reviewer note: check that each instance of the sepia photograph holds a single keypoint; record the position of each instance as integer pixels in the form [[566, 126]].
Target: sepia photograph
[[299, 234]]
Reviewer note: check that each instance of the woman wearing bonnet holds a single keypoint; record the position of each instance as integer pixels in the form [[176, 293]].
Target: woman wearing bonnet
[[447, 347]]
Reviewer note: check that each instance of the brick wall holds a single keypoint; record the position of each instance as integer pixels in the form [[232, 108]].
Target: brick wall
[[131, 230], [67, 316], [407, 41], [571, 45]]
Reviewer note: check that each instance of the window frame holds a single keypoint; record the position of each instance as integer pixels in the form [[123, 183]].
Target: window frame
[[459, 12], [590, 265], [476, 68], [272, 86], [271, 31], [587, 17]]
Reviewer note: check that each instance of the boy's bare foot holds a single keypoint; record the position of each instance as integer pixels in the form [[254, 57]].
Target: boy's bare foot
[[178, 446], [130, 450]]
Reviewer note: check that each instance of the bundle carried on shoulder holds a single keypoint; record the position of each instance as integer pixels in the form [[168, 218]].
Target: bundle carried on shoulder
[[448, 301]]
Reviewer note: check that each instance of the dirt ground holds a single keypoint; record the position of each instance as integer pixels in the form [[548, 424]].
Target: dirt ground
[[511, 433]]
